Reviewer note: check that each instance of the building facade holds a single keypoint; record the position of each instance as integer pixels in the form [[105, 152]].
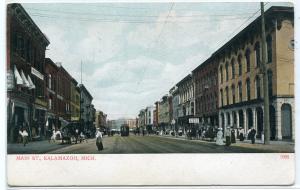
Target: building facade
[[205, 78], [240, 77], [149, 118], [26, 102], [85, 108], [51, 70], [163, 113], [186, 101], [175, 106], [75, 100]]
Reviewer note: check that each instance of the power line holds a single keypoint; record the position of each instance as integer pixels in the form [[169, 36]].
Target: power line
[[126, 21], [135, 16]]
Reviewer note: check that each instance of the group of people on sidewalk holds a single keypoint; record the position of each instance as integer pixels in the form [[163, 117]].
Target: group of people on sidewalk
[[230, 136]]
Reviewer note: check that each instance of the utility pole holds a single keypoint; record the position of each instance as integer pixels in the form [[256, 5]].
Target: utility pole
[[265, 78], [80, 106]]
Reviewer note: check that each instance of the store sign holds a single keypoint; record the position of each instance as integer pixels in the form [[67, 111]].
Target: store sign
[[193, 120], [37, 73], [10, 80]]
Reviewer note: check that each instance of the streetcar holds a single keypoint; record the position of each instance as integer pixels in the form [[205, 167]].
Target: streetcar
[[124, 130]]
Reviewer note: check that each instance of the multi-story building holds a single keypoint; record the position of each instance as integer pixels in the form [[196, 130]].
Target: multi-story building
[[101, 120], [186, 100], [26, 45], [163, 113], [156, 115], [240, 77], [142, 119], [205, 78], [85, 108], [131, 123], [75, 100], [175, 106], [149, 117], [51, 70]]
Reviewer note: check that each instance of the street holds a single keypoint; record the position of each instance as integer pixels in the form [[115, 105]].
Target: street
[[145, 144]]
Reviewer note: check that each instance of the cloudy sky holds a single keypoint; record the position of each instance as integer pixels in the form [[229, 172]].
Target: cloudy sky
[[132, 54]]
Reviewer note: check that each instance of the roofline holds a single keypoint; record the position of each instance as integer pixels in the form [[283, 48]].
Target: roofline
[[268, 13]]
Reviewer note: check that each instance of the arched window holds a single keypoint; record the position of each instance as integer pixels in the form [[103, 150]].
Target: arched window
[[227, 96], [49, 81], [240, 65], [257, 54], [221, 74], [247, 57], [240, 92], [233, 68], [248, 88], [233, 94], [226, 70], [270, 83], [258, 87], [269, 48], [221, 94]]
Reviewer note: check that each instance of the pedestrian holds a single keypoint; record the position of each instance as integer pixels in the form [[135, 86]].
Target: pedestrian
[[219, 140], [253, 133], [227, 136], [233, 136], [76, 135], [99, 142], [24, 136], [249, 134], [53, 136]]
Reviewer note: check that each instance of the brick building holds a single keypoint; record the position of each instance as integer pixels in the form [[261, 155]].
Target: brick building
[[205, 78], [26, 45]]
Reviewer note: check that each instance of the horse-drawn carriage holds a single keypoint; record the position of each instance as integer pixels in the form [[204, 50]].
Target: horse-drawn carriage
[[72, 133]]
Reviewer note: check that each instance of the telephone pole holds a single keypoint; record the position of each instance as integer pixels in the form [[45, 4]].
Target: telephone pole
[[265, 78]]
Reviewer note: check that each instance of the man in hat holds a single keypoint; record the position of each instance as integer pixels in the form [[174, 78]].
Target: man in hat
[[227, 136], [233, 135]]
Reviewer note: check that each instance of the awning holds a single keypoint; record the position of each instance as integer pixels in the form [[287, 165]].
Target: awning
[[26, 83], [63, 122], [19, 80], [32, 86]]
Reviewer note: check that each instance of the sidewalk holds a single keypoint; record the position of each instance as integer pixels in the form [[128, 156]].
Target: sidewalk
[[35, 147], [274, 146]]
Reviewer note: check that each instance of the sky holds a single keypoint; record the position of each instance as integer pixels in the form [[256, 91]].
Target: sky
[[134, 53]]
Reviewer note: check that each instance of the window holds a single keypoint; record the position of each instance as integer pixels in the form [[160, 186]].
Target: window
[[270, 83], [233, 94], [28, 51], [49, 81], [240, 65], [257, 54], [221, 92], [226, 70], [257, 86], [50, 103], [247, 56], [269, 48], [240, 92], [221, 73], [227, 97], [248, 89], [233, 68]]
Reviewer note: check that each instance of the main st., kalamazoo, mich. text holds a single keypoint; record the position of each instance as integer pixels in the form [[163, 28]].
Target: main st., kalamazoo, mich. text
[[55, 157]]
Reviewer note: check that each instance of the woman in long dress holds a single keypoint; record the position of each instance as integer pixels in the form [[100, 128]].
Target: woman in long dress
[[219, 140], [99, 143]]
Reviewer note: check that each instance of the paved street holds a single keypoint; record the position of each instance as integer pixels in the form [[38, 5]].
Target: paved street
[[146, 144]]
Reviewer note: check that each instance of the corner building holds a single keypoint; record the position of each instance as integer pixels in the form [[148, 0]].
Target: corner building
[[241, 81]]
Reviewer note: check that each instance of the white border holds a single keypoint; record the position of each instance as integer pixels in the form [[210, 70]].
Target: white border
[[156, 159]]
